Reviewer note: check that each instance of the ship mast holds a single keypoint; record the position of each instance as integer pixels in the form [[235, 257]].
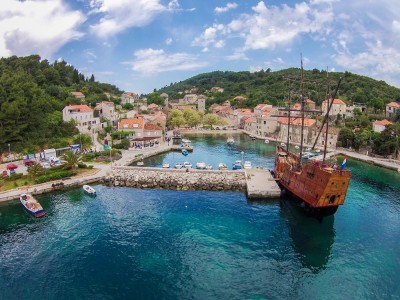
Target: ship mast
[[302, 111], [328, 91], [329, 106], [288, 128]]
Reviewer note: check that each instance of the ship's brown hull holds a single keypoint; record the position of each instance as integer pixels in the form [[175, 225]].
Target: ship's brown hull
[[322, 187]]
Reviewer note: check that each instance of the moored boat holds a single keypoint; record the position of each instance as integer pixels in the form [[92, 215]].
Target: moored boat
[[237, 165], [187, 165], [201, 165], [230, 141], [209, 167], [222, 166], [165, 165], [31, 205], [247, 165], [184, 152], [178, 165], [89, 190], [266, 141], [186, 141]]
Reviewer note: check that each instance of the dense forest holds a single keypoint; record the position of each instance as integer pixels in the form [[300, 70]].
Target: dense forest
[[33, 93], [273, 87]]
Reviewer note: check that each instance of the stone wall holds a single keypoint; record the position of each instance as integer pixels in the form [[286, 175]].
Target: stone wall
[[140, 177]]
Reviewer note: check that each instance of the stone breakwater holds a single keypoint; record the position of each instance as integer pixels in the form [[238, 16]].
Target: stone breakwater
[[176, 179]]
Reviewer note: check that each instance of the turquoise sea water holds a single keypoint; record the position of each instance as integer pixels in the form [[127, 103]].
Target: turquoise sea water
[[158, 244]]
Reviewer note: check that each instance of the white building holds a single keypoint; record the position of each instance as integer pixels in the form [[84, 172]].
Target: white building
[[84, 118], [391, 109], [129, 97], [379, 126]]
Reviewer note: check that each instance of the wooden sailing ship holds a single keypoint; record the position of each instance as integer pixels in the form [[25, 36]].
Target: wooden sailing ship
[[321, 186]]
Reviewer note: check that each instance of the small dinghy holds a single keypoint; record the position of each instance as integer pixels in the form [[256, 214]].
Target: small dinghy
[[89, 190]]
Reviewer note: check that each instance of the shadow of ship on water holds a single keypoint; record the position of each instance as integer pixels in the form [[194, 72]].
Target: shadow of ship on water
[[312, 238]]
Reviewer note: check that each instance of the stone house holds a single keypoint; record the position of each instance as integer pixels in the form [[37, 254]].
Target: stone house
[[295, 129], [84, 117], [129, 97], [250, 124], [379, 126], [391, 109], [338, 107], [266, 123], [78, 95], [106, 109]]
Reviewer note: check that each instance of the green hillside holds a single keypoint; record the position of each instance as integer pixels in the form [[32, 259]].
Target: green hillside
[[273, 87], [33, 93]]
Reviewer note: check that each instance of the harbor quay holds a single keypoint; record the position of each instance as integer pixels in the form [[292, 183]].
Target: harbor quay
[[258, 183]]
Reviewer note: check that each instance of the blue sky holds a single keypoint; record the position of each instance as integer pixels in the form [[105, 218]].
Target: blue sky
[[139, 45]]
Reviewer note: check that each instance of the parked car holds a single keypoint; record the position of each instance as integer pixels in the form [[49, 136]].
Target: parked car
[[29, 162]]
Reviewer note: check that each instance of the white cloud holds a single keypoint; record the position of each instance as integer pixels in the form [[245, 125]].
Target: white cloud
[[153, 61], [228, 7], [210, 37], [237, 55], [118, 15], [376, 60], [274, 26], [396, 26], [41, 27]]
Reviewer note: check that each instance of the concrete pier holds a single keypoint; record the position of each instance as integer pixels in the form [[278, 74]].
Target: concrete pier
[[260, 184]]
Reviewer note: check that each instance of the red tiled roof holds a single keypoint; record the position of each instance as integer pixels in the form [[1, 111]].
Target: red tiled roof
[[335, 101], [80, 108], [393, 104], [250, 119], [77, 94], [134, 123], [151, 127], [153, 105], [296, 121], [383, 122]]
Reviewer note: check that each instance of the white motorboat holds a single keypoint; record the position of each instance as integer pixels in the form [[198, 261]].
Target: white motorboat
[[187, 165], [165, 165], [247, 165], [266, 141], [230, 141], [89, 190], [209, 167], [186, 141], [201, 165], [178, 165]]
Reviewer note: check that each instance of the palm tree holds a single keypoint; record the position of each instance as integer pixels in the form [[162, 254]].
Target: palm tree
[[35, 170], [72, 159]]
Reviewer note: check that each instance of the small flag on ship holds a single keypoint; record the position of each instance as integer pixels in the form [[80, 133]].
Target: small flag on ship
[[344, 163]]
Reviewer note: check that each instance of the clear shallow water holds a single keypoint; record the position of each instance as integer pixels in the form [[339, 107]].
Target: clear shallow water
[[158, 244], [213, 150]]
